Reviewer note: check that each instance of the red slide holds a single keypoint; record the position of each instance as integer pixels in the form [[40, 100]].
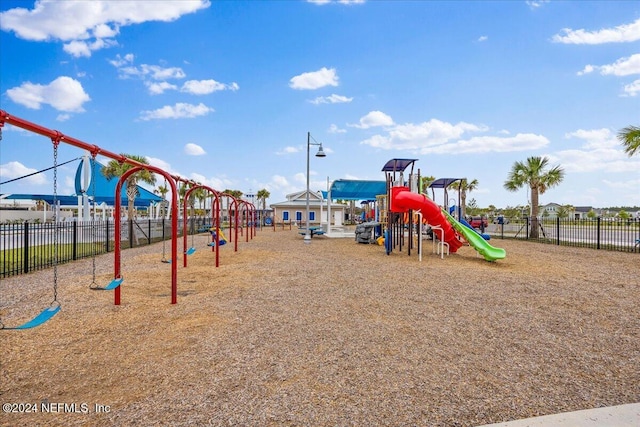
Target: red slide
[[406, 200]]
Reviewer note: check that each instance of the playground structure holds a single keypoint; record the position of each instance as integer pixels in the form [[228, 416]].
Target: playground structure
[[409, 209], [116, 284]]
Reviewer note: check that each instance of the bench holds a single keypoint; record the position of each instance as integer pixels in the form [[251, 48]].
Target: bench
[[312, 232]]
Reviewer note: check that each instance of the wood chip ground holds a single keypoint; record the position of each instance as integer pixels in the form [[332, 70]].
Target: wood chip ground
[[333, 333]]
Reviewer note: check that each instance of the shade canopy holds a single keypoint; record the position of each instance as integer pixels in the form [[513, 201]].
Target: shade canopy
[[397, 165], [105, 189], [444, 182], [347, 189]]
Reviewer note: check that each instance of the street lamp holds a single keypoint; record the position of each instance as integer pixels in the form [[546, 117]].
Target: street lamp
[[320, 153]]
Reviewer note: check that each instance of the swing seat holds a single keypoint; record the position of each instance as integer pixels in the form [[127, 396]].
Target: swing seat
[[111, 286], [190, 251], [41, 318], [114, 284]]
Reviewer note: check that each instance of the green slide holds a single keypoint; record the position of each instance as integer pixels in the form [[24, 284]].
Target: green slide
[[478, 243]]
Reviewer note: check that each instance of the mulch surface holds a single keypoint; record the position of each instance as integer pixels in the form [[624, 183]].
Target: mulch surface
[[333, 333]]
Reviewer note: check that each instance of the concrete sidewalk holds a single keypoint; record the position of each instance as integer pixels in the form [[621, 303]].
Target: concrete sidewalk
[[613, 416]]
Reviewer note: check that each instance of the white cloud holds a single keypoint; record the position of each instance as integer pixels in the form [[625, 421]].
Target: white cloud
[[315, 79], [89, 25], [180, 110], [205, 87], [335, 129], [78, 48], [438, 137], [121, 61], [633, 88], [161, 164], [622, 67], [63, 94], [288, 150], [599, 151], [621, 33], [373, 119], [490, 144], [194, 150], [217, 183], [534, 4], [483, 39], [13, 170], [332, 99], [159, 88], [280, 181]]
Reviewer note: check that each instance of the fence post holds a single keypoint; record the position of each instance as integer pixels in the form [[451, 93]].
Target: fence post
[[25, 253], [598, 233], [558, 230], [130, 233], [74, 241], [526, 218], [149, 239], [106, 235]]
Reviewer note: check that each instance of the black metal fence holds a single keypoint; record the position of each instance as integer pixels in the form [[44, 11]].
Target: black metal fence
[[612, 234], [26, 247]]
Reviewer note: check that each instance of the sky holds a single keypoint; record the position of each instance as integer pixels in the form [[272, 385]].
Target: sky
[[227, 92]]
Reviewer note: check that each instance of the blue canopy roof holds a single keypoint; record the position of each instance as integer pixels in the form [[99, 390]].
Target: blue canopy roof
[[348, 189], [105, 189]]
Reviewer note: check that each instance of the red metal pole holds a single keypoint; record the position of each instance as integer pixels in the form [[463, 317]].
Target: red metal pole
[[186, 196], [174, 227], [95, 150]]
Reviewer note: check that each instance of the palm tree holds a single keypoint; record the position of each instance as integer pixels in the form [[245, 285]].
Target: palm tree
[[425, 182], [263, 195], [116, 169], [162, 190], [534, 173], [201, 195], [465, 187], [630, 138]]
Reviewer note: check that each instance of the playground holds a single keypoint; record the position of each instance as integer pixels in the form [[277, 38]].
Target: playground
[[329, 333]]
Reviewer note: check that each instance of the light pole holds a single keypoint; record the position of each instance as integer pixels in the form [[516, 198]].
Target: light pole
[[320, 153]]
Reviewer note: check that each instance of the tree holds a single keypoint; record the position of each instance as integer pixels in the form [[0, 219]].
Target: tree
[[116, 169], [565, 211], [535, 173], [262, 196], [630, 138], [425, 182], [464, 187], [162, 190], [201, 195]]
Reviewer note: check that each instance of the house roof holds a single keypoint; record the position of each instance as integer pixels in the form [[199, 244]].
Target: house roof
[[299, 200]]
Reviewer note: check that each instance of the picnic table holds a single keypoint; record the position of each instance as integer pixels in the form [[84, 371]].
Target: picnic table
[[317, 231]]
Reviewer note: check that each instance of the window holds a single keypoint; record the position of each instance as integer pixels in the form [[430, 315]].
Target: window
[[312, 216], [285, 215], [298, 216]]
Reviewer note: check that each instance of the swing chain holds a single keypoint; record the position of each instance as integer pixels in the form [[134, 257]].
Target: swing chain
[[92, 164], [56, 142]]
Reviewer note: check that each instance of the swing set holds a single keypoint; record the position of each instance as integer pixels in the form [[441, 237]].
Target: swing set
[[115, 285], [54, 307]]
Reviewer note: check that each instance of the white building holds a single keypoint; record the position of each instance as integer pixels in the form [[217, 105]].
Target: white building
[[294, 209]]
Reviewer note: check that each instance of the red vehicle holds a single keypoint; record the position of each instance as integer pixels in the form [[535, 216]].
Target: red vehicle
[[479, 222]]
